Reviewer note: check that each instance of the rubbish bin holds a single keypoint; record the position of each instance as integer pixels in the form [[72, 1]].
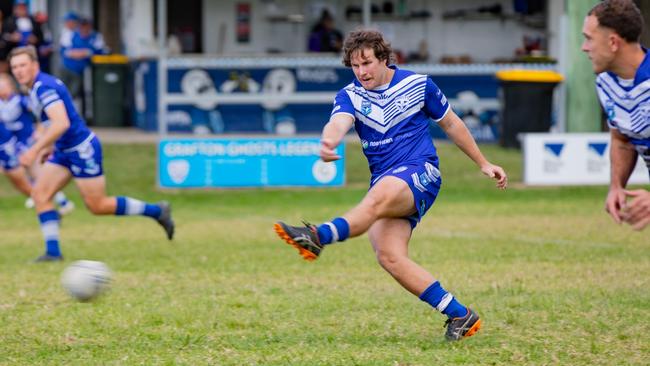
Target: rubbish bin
[[526, 98], [109, 74]]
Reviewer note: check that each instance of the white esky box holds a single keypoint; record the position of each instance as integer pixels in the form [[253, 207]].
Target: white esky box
[[571, 159]]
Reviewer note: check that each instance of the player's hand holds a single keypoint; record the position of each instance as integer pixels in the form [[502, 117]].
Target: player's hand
[[497, 173], [614, 203], [27, 158], [637, 210], [327, 150], [45, 154]]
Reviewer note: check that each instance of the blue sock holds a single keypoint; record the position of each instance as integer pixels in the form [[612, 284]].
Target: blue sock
[[443, 301], [331, 232], [130, 206], [50, 228]]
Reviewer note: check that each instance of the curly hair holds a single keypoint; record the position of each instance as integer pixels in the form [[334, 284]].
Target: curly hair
[[622, 16], [362, 39]]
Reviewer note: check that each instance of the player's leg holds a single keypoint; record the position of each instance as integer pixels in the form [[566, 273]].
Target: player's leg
[[12, 168], [19, 180], [86, 161], [389, 238], [52, 178], [390, 197], [93, 192], [65, 206]]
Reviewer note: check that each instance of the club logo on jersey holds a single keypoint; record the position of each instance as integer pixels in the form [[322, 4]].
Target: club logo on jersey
[[366, 107], [609, 109], [364, 144], [402, 103]]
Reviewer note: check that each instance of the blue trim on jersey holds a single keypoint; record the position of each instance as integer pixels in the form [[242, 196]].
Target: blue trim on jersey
[[604, 84]]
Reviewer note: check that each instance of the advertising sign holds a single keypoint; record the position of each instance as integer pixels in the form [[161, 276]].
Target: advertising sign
[[571, 159], [246, 162]]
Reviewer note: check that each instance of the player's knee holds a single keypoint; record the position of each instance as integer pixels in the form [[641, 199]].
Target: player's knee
[[40, 196], [95, 205], [388, 260]]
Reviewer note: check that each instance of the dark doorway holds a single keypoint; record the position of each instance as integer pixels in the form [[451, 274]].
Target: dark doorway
[[185, 21]]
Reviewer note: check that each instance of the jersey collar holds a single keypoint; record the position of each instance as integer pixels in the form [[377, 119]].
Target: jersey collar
[[643, 72]]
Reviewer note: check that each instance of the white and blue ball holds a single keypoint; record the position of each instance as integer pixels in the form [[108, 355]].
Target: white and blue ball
[[84, 280]]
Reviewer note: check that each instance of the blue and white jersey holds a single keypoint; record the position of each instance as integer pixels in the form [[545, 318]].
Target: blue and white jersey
[[393, 123], [47, 91], [16, 114], [627, 106], [5, 135]]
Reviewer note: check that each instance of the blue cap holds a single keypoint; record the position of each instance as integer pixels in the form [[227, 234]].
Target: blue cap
[[71, 15], [20, 2]]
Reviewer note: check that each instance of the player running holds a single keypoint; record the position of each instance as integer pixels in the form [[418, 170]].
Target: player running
[[16, 117], [77, 153], [390, 109]]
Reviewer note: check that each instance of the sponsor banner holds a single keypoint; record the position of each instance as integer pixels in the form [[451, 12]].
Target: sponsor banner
[[571, 159], [289, 95], [232, 163]]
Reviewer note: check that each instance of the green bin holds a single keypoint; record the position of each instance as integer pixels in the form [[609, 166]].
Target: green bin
[[526, 98], [109, 73]]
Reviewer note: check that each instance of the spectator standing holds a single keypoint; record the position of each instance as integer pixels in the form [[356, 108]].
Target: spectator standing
[[70, 25], [76, 57]]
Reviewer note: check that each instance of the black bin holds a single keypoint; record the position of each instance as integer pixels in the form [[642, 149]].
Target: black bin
[[109, 73], [526, 98]]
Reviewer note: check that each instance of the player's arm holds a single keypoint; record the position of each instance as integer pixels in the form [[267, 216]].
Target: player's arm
[[622, 160], [59, 123], [460, 135], [333, 132]]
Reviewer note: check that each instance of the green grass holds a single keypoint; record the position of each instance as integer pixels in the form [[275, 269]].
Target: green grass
[[555, 280]]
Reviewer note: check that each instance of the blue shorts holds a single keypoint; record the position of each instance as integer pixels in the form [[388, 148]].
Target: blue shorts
[[8, 156], [83, 160], [424, 180], [23, 145]]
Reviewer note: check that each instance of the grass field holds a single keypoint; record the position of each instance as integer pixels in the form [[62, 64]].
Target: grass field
[[555, 281]]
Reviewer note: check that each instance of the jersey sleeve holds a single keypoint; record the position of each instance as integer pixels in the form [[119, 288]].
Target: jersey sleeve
[[436, 105], [47, 96], [342, 104]]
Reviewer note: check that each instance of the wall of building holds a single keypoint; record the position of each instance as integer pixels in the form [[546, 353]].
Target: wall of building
[[482, 38]]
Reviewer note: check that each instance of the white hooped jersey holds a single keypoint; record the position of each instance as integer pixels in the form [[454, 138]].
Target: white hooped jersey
[[393, 123], [627, 106]]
